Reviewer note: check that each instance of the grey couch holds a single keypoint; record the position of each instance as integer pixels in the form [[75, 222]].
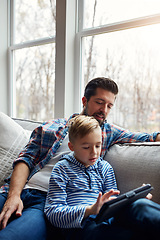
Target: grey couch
[[134, 164]]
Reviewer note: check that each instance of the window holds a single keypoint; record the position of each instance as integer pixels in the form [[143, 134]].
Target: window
[[120, 40], [34, 19], [102, 12], [33, 53]]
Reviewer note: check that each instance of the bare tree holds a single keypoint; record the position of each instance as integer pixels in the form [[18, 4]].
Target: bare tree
[[35, 68], [91, 65]]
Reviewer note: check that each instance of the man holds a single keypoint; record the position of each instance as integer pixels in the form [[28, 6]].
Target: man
[[22, 202]]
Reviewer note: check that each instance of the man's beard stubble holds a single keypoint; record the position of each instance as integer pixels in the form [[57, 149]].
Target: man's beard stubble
[[85, 112]]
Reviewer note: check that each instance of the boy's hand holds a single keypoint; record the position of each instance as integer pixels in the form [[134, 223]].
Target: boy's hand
[[95, 208]]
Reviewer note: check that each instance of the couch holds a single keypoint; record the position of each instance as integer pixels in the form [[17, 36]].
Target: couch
[[134, 164]]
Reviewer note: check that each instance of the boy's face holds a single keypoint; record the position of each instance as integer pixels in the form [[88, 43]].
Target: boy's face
[[99, 105], [88, 148]]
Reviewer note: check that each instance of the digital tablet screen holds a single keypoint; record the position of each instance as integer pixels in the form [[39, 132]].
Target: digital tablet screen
[[112, 207]]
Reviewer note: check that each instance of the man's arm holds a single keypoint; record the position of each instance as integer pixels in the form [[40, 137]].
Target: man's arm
[[14, 202], [120, 135], [157, 138]]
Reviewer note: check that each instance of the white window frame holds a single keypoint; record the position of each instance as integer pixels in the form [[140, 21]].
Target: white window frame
[[65, 57], [68, 69], [108, 28]]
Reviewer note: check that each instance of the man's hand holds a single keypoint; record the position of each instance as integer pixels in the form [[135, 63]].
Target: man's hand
[[95, 208], [13, 205], [157, 138]]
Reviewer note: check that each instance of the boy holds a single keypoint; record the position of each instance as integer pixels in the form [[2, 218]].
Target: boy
[[81, 183]]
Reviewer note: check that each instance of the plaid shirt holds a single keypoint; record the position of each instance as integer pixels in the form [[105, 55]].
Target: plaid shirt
[[46, 139]]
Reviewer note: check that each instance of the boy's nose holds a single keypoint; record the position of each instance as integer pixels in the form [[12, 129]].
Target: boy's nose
[[93, 150]]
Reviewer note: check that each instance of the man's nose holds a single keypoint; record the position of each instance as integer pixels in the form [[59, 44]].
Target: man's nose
[[104, 108]]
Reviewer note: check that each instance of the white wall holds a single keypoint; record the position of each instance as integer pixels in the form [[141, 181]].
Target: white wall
[[3, 56]]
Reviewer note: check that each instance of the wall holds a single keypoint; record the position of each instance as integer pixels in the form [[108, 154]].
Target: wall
[[3, 56]]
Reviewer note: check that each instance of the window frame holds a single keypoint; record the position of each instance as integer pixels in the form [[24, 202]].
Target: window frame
[[69, 45], [108, 28], [17, 46], [64, 59]]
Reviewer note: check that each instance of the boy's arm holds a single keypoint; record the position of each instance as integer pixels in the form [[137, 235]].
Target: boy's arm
[[95, 208], [13, 202], [58, 212], [109, 183]]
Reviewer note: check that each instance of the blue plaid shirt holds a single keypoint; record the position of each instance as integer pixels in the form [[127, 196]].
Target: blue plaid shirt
[[46, 139]]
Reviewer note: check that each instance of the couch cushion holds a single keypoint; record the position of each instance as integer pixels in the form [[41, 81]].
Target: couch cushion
[[12, 139], [27, 124], [135, 164]]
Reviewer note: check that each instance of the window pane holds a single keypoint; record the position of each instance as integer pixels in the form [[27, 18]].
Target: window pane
[[131, 58], [34, 19], [35, 82], [100, 12]]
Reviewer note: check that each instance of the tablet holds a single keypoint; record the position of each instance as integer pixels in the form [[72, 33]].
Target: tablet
[[112, 207]]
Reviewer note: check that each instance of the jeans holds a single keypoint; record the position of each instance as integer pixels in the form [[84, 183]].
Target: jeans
[[32, 224], [139, 221]]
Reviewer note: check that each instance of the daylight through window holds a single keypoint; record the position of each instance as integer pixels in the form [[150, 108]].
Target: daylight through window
[[130, 56]]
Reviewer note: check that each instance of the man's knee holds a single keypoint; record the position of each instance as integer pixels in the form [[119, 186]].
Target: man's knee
[[142, 204]]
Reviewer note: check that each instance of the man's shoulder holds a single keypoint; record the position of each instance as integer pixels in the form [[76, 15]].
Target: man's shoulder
[[54, 123], [50, 126], [112, 127]]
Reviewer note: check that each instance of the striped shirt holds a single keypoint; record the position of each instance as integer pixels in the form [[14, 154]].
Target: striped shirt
[[73, 187], [47, 138]]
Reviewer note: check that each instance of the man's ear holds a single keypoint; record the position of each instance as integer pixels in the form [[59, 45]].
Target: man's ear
[[70, 145], [84, 101]]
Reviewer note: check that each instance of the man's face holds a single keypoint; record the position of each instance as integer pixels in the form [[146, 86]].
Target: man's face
[[99, 105]]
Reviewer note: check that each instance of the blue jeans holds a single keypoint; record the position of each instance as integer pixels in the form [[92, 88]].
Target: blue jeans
[[139, 221], [32, 224]]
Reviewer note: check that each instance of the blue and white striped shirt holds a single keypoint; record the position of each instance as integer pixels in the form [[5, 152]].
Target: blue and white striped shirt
[[72, 187]]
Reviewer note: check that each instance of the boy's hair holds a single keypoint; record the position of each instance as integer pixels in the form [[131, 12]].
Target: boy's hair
[[81, 125], [100, 82]]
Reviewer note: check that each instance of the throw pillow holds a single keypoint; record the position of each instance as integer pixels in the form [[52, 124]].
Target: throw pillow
[[12, 139]]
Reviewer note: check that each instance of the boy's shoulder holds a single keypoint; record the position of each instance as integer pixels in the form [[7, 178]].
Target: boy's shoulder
[[64, 162], [103, 163]]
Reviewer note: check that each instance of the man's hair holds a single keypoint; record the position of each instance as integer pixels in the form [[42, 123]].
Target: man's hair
[[81, 125], [100, 82]]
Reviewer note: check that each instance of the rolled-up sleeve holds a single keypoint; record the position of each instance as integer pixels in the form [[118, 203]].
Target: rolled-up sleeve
[[120, 135]]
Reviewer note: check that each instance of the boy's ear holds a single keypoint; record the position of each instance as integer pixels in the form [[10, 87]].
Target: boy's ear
[[70, 145]]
